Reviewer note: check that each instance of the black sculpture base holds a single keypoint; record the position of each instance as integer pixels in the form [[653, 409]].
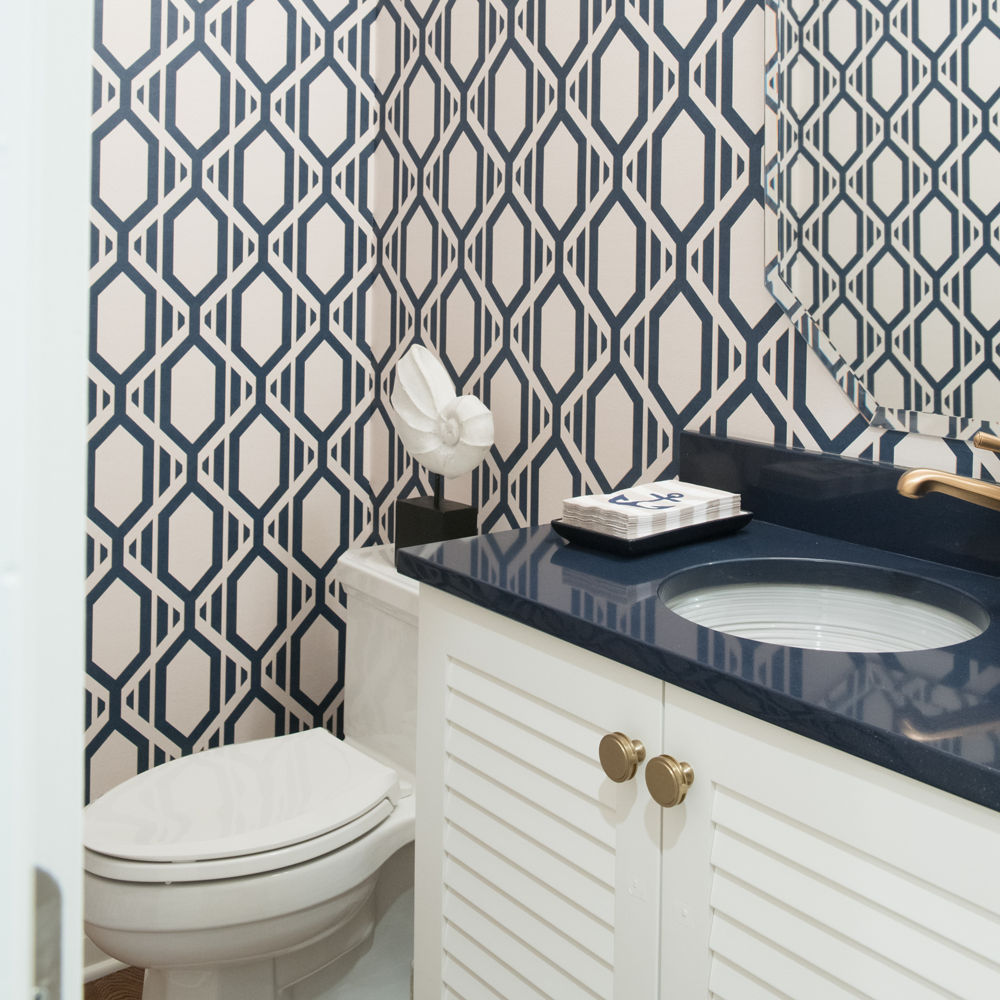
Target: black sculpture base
[[418, 521]]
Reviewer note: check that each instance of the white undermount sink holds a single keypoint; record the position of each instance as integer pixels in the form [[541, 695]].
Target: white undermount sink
[[821, 604]]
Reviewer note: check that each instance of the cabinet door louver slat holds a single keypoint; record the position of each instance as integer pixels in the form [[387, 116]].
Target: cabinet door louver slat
[[557, 968], [730, 983], [469, 981], [547, 906], [879, 931], [522, 740], [855, 919], [532, 818], [545, 863], [469, 965], [932, 910], [504, 752], [817, 945], [559, 726], [783, 973]]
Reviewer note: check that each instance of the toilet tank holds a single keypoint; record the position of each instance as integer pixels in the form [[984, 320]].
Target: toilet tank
[[380, 658]]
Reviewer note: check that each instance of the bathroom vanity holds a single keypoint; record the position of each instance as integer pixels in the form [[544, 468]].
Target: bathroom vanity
[[841, 820]]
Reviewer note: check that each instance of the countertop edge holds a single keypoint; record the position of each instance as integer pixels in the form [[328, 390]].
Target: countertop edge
[[921, 762]]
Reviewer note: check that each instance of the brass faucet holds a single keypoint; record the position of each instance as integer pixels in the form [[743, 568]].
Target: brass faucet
[[919, 482]]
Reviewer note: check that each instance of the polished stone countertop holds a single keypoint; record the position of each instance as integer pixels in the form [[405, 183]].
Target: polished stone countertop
[[933, 715]]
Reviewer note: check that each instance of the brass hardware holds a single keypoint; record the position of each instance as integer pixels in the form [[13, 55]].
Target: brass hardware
[[988, 441], [919, 482], [620, 756], [668, 780]]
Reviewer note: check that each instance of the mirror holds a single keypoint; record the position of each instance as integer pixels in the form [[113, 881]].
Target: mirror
[[882, 189]]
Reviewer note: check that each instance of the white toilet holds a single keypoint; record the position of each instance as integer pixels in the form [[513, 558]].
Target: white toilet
[[240, 873]]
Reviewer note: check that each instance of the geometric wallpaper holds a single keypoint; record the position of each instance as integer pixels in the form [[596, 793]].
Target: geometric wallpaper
[[577, 227], [562, 199], [231, 246], [884, 179]]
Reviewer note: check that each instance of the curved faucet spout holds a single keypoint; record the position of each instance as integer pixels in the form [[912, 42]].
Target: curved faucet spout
[[919, 482]]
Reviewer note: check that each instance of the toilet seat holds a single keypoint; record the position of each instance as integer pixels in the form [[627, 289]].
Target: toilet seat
[[152, 925], [238, 810]]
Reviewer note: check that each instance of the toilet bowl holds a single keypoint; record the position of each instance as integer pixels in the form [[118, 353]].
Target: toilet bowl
[[241, 871]]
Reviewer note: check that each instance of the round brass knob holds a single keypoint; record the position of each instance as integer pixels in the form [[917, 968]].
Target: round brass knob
[[620, 756], [668, 780]]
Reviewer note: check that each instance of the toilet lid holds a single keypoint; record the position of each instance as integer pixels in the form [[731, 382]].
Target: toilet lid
[[238, 800]]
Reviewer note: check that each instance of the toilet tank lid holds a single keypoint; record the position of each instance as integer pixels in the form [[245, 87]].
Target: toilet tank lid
[[238, 800], [371, 570]]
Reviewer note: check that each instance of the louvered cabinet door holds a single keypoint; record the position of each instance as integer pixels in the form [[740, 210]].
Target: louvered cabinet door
[[796, 871], [537, 877]]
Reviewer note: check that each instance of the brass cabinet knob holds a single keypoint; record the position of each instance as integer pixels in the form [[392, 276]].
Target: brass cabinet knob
[[620, 756], [668, 780]]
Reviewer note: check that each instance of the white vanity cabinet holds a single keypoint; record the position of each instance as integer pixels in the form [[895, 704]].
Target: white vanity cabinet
[[791, 870], [794, 870], [535, 876]]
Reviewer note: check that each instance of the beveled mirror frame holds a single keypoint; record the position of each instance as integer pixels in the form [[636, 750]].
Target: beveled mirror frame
[[783, 29]]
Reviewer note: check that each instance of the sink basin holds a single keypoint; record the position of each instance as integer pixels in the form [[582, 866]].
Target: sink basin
[[820, 604]]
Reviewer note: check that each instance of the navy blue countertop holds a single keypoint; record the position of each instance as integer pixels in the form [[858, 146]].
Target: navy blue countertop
[[933, 715]]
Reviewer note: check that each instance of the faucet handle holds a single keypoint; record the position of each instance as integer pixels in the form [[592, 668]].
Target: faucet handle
[[988, 441]]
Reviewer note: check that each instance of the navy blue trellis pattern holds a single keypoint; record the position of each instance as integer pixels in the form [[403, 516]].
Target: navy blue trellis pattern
[[883, 179], [577, 227], [562, 199], [232, 246]]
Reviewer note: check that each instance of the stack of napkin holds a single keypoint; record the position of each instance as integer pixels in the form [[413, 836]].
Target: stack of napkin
[[649, 509]]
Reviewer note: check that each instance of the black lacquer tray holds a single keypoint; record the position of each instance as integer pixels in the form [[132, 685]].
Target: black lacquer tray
[[652, 543]]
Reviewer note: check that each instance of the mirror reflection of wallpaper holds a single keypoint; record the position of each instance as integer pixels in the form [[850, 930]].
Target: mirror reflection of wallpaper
[[886, 184]]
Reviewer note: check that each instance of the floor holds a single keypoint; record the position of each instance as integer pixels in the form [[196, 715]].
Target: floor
[[123, 985]]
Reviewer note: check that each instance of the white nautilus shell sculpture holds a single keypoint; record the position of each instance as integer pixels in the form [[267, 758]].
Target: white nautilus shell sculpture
[[446, 433]]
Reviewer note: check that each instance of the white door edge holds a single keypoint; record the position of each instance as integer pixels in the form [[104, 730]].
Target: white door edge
[[45, 52]]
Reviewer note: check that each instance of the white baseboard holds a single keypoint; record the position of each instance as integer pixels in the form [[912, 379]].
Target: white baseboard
[[96, 964]]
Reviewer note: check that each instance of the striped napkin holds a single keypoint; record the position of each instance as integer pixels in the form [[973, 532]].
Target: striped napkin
[[650, 508]]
